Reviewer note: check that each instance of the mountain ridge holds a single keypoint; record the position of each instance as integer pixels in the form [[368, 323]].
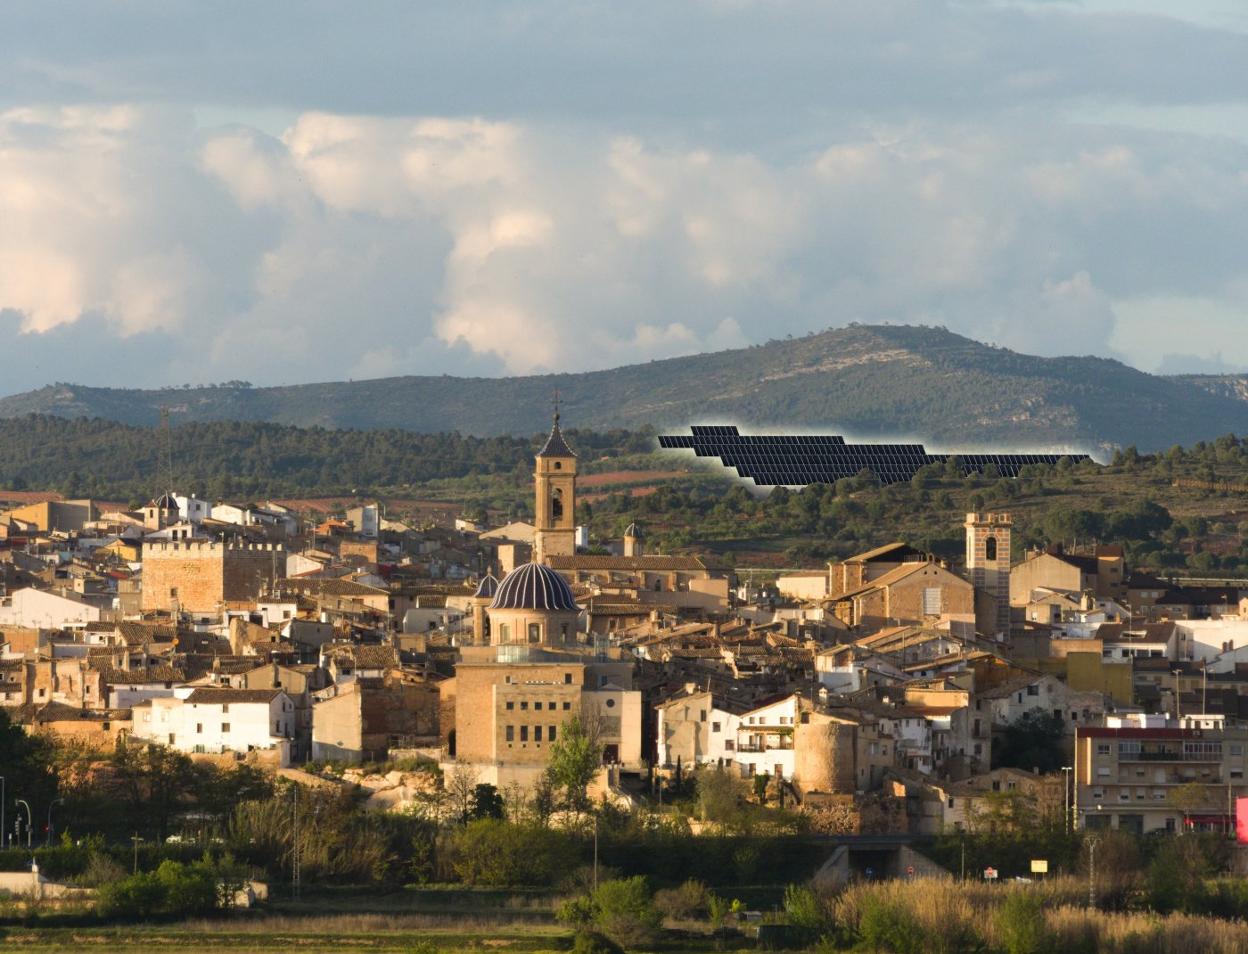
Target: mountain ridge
[[871, 381]]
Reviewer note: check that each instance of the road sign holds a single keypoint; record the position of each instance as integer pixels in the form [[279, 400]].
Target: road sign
[[1039, 866], [990, 874], [910, 871]]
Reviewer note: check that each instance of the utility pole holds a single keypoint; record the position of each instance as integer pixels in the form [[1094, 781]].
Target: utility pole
[[136, 839], [1092, 871], [294, 862], [1067, 778]]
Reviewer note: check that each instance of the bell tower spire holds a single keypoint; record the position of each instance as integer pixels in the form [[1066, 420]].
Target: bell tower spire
[[554, 509]]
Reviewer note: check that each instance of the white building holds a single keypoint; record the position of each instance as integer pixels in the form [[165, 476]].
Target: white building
[[695, 730], [192, 509], [213, 720], [765, 739], [43, 609]]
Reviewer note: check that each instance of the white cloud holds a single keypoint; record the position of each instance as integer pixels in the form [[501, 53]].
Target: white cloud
[[358, 245]]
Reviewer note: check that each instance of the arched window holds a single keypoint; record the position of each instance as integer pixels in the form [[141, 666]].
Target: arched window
[[990, 548], [556, 503]]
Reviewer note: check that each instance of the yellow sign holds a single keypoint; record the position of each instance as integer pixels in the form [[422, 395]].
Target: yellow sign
[[1039, 866]]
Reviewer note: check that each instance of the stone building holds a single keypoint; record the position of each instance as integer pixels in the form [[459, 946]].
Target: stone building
[[509, 701], [199, 576]]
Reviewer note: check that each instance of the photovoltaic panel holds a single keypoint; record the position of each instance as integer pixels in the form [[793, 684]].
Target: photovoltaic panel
[[796, 460]]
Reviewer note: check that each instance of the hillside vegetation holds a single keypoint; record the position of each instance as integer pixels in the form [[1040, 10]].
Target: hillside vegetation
[[885, 382], [683, 503]]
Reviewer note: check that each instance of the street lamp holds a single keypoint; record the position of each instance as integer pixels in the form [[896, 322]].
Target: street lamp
[[30, 818], [50, 804], [1067, 801]]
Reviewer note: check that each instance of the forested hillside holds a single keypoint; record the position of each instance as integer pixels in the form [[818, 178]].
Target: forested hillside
[[874, 382]]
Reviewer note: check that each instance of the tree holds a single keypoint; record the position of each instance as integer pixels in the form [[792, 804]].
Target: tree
[[487, 802], [1188, 798], [574, 761], [461, 785], [1032, 741], [625, 912]]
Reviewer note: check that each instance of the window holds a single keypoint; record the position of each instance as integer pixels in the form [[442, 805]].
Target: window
[[510, 706], [535, 632], [550, 733], [510, 733], [990, 548], [1033, 690], [611, 705], [567, 706], [567, 680], [225, 707], [199, 728], [537, 705], [225, 727], [702, 716], [714, 726], [1102, 748], [502, 635], [931, 601], [524, 705], [537, 733], [524, 733]]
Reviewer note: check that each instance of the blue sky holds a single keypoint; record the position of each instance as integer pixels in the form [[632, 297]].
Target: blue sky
[[284, 192]]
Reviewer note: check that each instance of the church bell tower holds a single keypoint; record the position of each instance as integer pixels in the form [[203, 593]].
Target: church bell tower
[[555, 507]]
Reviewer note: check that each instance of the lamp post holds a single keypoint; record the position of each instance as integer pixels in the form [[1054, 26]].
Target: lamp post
[[1067, 801], [50, 804], [1092, 871], [30, 818]]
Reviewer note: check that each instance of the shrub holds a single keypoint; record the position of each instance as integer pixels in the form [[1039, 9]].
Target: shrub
[[135, 898], [1020, 924], [683, 903], [493, 852], [577, 911], [590, 942], [891, 927], [624, 911], [805, 909]]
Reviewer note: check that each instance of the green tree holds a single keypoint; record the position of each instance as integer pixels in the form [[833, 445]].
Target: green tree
[[1032, 741], [625, 912], [575, 757]]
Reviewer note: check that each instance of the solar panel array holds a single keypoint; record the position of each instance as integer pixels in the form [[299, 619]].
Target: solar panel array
[[810, 459]]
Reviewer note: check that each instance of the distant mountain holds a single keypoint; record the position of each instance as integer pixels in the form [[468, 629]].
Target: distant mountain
[[875, 381]]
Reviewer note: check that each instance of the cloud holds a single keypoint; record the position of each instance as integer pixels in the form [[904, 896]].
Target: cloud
[[355, 245], [542, 187]]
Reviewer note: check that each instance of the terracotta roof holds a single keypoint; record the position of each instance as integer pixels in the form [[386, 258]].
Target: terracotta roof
[[215, 696], [644, 562]]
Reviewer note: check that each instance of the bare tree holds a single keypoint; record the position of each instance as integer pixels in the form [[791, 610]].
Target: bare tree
[[461, 785]]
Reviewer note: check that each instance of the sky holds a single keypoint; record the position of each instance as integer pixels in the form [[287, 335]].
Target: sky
[[197, 192]]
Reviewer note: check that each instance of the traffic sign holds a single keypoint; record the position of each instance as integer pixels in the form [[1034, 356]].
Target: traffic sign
[[1039, 866], [990, 874]]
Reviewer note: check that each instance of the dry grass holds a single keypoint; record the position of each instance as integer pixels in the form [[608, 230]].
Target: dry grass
[[950, 911]]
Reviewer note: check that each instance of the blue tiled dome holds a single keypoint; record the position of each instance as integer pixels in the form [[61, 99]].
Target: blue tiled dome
[[534, 586], [487, 587]]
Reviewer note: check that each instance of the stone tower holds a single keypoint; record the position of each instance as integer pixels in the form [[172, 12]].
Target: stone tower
[[555, 506], [988, 563]]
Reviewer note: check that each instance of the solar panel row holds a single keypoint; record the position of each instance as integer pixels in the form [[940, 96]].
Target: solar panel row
[[804, 459]]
